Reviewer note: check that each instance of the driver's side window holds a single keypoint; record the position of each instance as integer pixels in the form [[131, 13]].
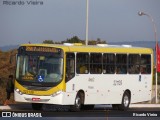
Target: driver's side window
[[70, 66]]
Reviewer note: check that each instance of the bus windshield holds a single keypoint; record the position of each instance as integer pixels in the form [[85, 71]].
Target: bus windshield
[[34, 68]]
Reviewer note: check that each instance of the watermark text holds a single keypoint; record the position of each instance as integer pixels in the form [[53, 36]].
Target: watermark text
[[22, 2]]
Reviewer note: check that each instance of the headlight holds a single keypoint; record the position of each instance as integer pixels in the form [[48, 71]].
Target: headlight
[[56, 93], [18, 91]]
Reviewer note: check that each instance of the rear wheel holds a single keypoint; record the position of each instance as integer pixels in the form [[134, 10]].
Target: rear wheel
[[125, 101], [37, 106]]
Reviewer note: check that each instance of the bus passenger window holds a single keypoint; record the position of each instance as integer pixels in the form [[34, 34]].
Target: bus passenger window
[[145, 66], [70, 66], [82, 63], [121, 63], [108, 63], [95, 63], [133, 64]]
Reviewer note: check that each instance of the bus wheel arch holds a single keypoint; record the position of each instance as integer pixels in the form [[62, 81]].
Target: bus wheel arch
[[126, 99], [79, 101]]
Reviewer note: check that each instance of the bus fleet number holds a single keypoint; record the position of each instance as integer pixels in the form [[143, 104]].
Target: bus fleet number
[[117, 82]]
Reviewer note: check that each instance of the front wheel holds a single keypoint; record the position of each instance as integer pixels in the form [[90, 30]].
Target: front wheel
[[79, 102], [125, 101]]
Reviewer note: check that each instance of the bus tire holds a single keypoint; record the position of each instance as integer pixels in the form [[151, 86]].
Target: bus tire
[[37, 106], [125, 101], [79, 102]]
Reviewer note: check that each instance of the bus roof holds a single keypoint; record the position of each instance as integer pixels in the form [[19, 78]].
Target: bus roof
[[68, 47]]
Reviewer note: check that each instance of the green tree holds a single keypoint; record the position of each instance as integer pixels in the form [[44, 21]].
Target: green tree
[[92, 42], [74, 39], [48, 42], [99, 41], [95, 42]]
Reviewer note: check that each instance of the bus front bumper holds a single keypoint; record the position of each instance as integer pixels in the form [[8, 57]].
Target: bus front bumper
[[56, 98]]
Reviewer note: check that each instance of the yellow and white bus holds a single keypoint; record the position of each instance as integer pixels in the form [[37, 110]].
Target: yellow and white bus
[[83, 76]]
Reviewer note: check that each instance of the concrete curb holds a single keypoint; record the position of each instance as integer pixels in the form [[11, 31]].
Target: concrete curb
[[5, 107], [15, 106]]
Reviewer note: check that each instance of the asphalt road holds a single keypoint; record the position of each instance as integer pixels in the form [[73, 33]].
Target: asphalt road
[[99, 113]]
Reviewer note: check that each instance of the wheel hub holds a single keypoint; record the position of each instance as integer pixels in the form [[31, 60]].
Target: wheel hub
[[126, 101], [77, 102]]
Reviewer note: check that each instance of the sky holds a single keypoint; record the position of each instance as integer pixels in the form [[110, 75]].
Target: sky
[[57, 20]]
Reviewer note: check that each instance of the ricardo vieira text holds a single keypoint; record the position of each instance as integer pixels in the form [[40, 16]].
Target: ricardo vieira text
[[22, 2]]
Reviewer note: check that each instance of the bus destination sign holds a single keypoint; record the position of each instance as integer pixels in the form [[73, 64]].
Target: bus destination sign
[[41, 49]]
